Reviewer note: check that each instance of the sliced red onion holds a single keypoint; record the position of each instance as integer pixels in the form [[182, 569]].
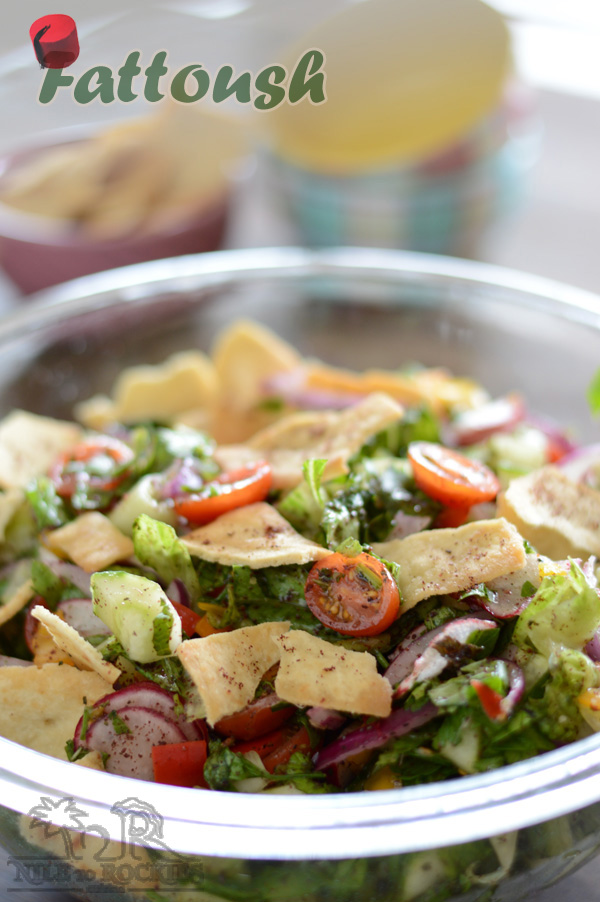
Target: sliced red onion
[[406, 525], [130, 753], [433, 660], [592, 649], [484, 511], [325, 719], [179, 479], [6, 661], [507, 599], [404, 657], [150, 696], [177, 591], [79, 613], [291, 387], [374, 735], [478, 424]]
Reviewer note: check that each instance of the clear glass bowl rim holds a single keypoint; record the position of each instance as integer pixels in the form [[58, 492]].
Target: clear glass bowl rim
[[312, 827]]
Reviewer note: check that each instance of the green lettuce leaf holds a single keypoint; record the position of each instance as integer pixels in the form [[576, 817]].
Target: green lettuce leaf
[[48, 507], [557, 712], [156, 545], [564, 612], [303, 506], [52, 588], [225, 768]]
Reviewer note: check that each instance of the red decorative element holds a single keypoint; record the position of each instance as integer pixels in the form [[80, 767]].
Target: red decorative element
[[55, 41]]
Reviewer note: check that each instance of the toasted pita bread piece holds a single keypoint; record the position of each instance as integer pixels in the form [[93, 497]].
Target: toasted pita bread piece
[[560, 518], [315, 672], [91, 541], [253, 536], [336, 436], [42, 705], [184, 381], [84, 655], [226, 668], [245, 356], [29, 445], [440, 561], [16, 602]]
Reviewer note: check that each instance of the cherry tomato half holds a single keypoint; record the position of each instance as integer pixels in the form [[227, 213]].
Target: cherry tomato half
[[276, 748], [225, 493], [189, 618], [450, 477], [258, 718], [180, 763], [356, 596], [91, 463]]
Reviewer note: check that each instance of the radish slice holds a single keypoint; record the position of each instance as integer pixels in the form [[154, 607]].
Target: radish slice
[[130, 753], [374, 735], [147, 695], [413, 645], [79, 613], [476, 425], [440, 650], [507, 599]]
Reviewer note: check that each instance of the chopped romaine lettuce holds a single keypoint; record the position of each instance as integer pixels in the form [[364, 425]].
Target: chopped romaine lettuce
[[303, 506], [564, 612], [48, 507], [157, 546], [52, 588], [558, 716]]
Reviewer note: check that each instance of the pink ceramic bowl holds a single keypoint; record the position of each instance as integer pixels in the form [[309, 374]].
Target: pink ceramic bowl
[[37, 252]]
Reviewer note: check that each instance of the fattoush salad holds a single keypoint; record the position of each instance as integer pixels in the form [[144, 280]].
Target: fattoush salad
[[257, 572]]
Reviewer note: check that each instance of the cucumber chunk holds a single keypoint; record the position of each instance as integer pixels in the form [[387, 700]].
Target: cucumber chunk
[[139, 614]]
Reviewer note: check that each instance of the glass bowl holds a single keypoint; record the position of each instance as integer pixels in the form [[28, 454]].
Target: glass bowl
[[508, 832]]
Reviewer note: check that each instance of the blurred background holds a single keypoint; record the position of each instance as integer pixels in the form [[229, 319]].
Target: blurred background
[[450, 127]]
